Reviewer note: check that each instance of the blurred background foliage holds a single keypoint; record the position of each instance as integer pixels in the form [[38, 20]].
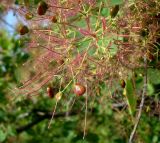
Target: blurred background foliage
[[26, 120]]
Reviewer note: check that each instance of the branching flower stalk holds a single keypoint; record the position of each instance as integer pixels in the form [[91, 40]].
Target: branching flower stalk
[[87, 42]]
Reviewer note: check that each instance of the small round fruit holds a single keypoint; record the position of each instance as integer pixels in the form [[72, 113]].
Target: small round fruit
[[114, 11], [58, 96], [23, 30], [28, 16], [42, 8], [79, 89], [123, 84], [150, 57], [60, 61], [54, 19], [50, 92]]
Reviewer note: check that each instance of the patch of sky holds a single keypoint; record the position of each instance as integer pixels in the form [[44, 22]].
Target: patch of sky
[[8, 22]]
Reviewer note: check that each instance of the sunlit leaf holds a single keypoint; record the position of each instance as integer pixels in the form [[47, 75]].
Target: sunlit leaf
[[150, 89], [130, 96], [105, 12], [2, 136]]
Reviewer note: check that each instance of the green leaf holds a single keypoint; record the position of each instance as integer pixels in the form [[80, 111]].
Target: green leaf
[[150, 89], [154, 76], [105, 12], [131, 97], [2, 136], [115, 2], [2, 114], [11, 131]]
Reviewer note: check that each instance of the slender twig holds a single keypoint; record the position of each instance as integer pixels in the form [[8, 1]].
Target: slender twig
[[53, 113], [85, 119], [142, 102]]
